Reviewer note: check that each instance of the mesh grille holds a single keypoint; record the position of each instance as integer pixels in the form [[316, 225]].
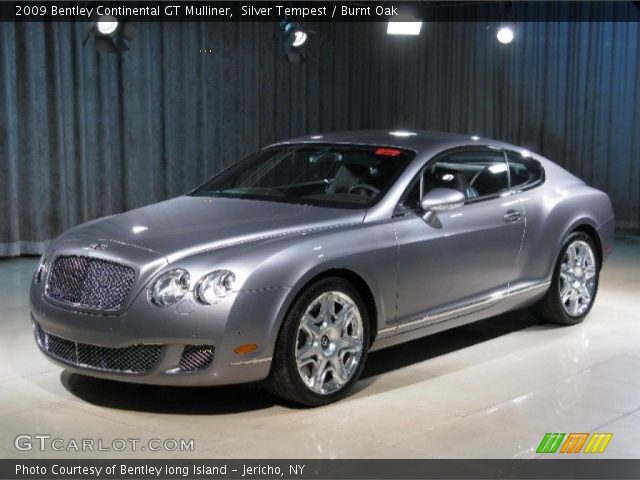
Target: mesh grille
[[134, 359], [90, 282], [196, 357]]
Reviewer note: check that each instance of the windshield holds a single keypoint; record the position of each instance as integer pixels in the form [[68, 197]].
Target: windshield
[[345, 176]]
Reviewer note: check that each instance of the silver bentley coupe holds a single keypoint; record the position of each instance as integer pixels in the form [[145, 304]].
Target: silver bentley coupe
[[292, 264]]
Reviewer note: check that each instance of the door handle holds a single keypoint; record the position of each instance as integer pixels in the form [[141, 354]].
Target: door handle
[[512, 216]]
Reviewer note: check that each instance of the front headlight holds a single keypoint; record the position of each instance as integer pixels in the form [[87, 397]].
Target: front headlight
[[169, 288], [214, 286]]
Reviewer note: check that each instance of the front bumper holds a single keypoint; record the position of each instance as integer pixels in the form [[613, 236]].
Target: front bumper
[[190, 344]]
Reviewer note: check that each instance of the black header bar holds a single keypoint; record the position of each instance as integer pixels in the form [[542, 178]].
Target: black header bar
[[322, 11]]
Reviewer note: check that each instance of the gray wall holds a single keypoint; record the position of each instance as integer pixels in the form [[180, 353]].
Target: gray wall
[[85, 134]]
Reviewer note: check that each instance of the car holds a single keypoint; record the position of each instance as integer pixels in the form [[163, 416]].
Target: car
[[291, 265]]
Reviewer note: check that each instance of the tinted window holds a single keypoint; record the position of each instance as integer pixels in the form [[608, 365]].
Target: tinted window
[[411, 199], [524, 171], [324, 175], [476, 173]]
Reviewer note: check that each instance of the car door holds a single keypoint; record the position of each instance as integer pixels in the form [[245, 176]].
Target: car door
[[527, 174], [462, 255]]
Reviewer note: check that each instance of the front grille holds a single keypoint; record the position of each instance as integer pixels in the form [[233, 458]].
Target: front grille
[[196, 357], [89, 283], [134, 359]]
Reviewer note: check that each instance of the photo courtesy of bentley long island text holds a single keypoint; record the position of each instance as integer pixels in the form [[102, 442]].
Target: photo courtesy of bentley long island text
[[331, 240]]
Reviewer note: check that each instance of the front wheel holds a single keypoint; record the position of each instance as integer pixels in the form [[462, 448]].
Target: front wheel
[[574, 284], [322, 345]]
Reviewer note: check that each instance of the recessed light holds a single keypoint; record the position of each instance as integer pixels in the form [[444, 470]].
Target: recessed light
[[404, 28], [505, 34]]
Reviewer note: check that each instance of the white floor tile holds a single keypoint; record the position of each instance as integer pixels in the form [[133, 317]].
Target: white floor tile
[[473, 438], [488, 390]]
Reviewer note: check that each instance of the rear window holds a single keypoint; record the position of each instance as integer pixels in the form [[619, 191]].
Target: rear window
[[524, 172]]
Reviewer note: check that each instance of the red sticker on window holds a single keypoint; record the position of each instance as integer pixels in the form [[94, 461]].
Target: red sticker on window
[[390, 152]]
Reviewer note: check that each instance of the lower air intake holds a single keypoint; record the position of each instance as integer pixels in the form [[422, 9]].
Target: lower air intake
[[134, 359], [196, 357]]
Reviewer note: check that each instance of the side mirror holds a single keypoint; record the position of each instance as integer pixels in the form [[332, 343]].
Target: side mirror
[[440, 200]]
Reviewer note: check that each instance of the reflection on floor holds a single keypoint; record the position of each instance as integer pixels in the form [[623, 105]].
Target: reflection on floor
[[491, 389]]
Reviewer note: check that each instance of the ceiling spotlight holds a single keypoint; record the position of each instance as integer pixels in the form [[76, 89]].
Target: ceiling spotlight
[[505, 34], [404, 28], [406, 23], [299, 37], [107, 25], [295, 39], [111, 35]]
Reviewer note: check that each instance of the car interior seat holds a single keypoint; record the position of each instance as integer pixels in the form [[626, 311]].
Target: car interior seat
[[489, 182], [450, 179]]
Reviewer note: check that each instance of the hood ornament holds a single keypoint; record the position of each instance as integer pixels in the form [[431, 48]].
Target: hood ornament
[[97, 246]]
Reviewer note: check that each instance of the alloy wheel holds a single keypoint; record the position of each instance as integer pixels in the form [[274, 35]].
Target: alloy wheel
[[329, 342], [577, 278]]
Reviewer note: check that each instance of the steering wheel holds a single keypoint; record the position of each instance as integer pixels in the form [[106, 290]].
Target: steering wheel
[[373, 191]]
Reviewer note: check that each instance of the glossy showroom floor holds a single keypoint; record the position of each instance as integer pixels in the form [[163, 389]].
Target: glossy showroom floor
[[486, 390]]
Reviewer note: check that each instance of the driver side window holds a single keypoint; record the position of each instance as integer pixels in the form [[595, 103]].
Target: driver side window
[[478, 174], [475, 173]]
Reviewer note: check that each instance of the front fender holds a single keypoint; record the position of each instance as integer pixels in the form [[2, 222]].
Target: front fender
[[368, 250]]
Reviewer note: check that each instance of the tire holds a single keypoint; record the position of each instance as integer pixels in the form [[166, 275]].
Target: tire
[[576, 307], [308, 338]]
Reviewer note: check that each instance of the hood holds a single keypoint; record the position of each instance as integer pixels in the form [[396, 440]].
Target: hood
[[187, 225]]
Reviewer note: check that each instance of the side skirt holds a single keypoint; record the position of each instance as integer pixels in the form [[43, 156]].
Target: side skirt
[[486, 307]]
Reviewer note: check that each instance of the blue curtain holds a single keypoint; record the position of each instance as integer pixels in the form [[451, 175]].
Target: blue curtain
[[569, 91], [84, 135]]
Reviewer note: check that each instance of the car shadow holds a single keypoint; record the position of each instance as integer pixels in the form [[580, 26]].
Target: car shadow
[[167, 399], [448, 341], [242, 398]]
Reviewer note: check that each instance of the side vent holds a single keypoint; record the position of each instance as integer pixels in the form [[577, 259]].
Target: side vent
[[196, 357]]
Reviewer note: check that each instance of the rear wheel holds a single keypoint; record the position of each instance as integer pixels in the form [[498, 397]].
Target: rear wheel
[[575, 282], [322, 345]]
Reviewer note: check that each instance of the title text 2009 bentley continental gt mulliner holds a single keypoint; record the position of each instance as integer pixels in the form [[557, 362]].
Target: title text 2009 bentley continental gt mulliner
[[294, 263]]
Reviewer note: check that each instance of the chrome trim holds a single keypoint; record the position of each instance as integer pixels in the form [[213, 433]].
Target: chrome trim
[[80, 306], [388, 329], [528, 288], [469, 308], [253, 361]]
